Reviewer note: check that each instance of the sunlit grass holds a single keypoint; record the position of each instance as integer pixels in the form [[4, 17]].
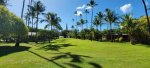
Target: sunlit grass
[[72, 53]]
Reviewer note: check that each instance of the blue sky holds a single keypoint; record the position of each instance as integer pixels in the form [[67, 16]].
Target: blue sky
[[66, 8]]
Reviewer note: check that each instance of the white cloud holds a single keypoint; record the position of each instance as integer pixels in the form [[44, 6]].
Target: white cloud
[[81, 7], [88, 7], [126, 8]]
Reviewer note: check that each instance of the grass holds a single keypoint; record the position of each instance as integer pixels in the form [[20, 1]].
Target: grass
[[73, 53]]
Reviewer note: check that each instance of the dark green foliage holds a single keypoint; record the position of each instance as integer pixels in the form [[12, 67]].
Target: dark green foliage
[[3, 2], [12, 26]]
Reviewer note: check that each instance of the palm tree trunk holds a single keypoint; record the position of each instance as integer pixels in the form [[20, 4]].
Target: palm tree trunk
[[97, 27], [111, 32], [92, 18], [107, 26], [100, 28], [32, 26], [37, 28], [51, 27], [17, 42], [82, 26], [145, 7], [22, 8], [86, 21], [26, 21]]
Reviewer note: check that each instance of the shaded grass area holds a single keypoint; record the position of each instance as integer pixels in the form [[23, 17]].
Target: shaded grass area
[[5, 50], [74, 53]]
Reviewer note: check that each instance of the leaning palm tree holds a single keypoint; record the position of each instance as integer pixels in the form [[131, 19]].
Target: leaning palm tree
[[145, 7], [100, 17], [111, 18], [92, 4], [39, 8]]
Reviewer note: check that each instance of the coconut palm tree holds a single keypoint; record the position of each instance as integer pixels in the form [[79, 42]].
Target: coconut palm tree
[[52, 19], [32, 14], [129, 26], [145, 7], [75, 13], [92, 4], [111, 18], [22, 9], [86, 13], [96, 22], [100, 17], [39, 8], [82, 22]]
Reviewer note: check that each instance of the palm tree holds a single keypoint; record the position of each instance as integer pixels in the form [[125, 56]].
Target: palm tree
[[96, 22], [22, 8], [32, 14], [145, 7], [100, 17], [92, 4], [82, 22], [39, 8], [86, 12], [129, 25], [52, 20], [75, 13], [73, 20], [110, 18]]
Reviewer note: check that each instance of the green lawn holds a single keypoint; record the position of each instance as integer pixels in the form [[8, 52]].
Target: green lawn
[[72, 53]]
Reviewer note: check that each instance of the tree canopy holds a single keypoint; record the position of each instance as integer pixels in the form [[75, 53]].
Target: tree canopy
[[10, 24]]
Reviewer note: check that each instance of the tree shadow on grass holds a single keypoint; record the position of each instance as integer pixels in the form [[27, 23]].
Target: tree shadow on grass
[[74, 57], [95, 65], [47, 59], [5, 50], [55, 47]]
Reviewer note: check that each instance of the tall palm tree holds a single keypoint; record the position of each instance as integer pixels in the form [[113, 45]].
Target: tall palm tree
[[129, 25], [110, 18], [86, 13], [32, 14], [82, 22], [73, 20], [92, 4], [100, 17], [96, 22], [39, 8], [75, 13], [148, 21], [52, 21], [22, 9]]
